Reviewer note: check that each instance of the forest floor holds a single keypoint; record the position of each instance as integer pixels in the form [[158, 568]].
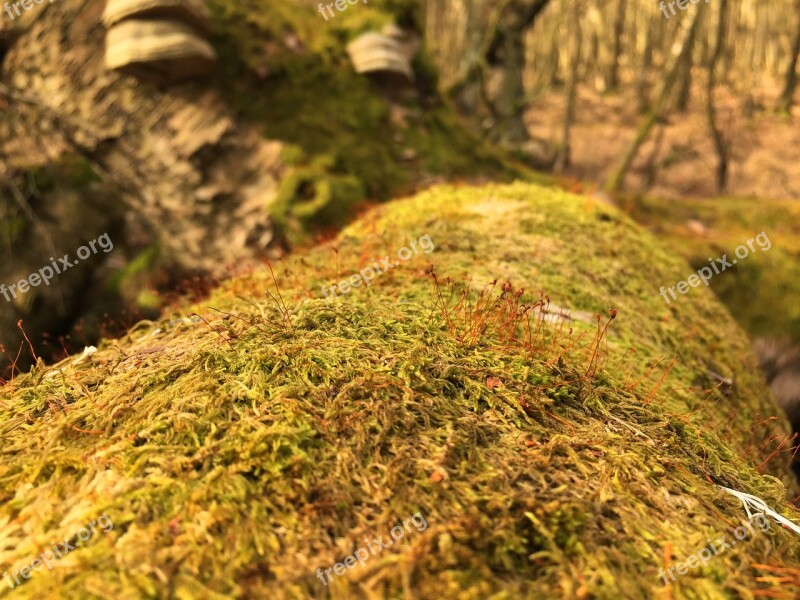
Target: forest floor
[[678, 159]]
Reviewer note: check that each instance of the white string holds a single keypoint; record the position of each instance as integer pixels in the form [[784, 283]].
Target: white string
[[749, 501]]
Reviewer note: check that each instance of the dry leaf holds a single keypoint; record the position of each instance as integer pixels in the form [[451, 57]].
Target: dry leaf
[[439, 475]]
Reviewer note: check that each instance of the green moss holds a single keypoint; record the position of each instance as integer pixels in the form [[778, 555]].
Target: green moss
[[290, 74], [238, 455], [144, 262], [761, 290], [311, 199], [68, 171], [292, 155], [135, 281]]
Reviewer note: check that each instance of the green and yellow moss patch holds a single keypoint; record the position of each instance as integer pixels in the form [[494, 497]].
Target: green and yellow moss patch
[[236, 457], [286, 71], [762, 290], [311, 198]]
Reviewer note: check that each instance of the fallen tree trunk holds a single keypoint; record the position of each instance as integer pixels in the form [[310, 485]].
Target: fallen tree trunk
[[277, 146], [178, 155], [539, 455]]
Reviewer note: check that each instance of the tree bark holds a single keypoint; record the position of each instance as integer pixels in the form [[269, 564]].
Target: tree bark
[[176, 154], [644, 64], [719, 143], [785, 102], [619, 25], [491, 86], [614, 182], [684, 91], [506, 59], [563, 155]]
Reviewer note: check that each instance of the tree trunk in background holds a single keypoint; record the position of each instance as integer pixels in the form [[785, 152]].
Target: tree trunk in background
[[719, 143], [553, 62], [645, 62], [619, 24], [685, 82], [631, 42], [614, 183], [506, 62], [483, 63], [596, 46], [176, 154], [563, 155], [785, 102]]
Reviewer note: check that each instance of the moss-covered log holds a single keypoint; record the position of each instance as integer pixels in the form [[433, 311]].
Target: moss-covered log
[[280, 144], [548, 458]]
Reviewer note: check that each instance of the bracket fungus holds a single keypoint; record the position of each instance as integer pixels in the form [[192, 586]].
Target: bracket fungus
[[158, 39], [381, 56], [165, 50]]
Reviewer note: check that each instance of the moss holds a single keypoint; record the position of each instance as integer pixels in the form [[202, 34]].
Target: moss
[[310, 199], [761, 290], [237, 455], [272, 56], [135, 282], [69, 171], [143, 263]]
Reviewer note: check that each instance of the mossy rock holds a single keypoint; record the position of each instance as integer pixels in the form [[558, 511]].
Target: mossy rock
[[237, 456]]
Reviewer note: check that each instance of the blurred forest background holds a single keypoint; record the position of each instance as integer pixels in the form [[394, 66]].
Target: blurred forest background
[[283, 142], [705, 95], [239, 451]]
